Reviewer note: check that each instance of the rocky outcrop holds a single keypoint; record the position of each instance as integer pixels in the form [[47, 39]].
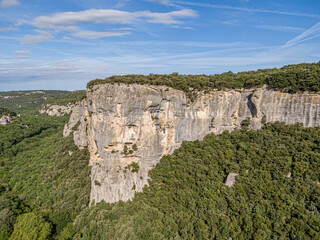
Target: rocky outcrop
[[57, 110], [128, 128], [5, 119], [231, 179]]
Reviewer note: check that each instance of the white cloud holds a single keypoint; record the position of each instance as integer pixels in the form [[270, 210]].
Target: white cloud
[[95, 35], [310, 33], [109, 16], [9, 3], [43, 36]]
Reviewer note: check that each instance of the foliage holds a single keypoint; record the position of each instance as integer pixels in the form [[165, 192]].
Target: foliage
[[37, 174], [30, 226], [246, 122], [133, 167], [70, 97], [291, 78], [187, 197], [27, 102], [6, 112]]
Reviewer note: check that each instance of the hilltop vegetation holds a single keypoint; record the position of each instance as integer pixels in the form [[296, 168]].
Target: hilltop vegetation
[[291, 78]]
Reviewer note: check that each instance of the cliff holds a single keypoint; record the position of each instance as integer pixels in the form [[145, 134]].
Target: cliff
[[128, 128]]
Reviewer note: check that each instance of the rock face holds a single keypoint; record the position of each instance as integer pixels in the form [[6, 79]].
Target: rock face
[[128, 128], [57, 110]]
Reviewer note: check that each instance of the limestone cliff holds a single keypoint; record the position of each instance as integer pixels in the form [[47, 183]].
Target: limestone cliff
[[128, 128], [56, 110]]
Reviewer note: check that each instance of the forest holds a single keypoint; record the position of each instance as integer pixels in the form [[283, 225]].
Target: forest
[[291, 78]]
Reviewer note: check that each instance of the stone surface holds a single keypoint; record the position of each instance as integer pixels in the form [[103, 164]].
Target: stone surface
[[57, 110], [231, 179], [128, 125]]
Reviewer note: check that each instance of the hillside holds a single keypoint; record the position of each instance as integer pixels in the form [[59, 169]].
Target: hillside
[[276, 195], [42, 177], [27, 101]]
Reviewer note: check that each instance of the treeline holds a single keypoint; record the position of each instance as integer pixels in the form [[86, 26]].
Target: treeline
[[276, 195], [291, 78]]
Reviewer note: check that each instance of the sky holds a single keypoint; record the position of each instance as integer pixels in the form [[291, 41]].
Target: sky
[[63, 44]]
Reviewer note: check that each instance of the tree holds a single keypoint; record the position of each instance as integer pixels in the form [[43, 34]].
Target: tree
[[31, 226]]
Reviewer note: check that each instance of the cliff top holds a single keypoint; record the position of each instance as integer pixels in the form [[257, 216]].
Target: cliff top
[[290, 78]]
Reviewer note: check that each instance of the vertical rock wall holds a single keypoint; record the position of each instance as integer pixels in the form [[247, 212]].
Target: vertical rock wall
[[128, 128]]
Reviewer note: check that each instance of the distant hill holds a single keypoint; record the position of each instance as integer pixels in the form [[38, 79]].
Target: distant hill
[[29, 102], [70, 97]]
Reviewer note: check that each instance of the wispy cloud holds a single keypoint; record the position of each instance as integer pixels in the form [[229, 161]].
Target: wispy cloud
[[310, 33], [109, 16], [9, 3], [164, 2], [22, 56], [95, 35], [42, 36], [8, 29], [70, 21], [232, 22], [208, 5], [280, 28], [24, 51]]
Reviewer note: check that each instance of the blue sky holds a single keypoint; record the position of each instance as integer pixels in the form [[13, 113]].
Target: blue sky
[[63, 44]]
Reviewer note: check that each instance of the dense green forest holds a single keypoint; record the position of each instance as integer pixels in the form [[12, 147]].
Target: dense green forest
[[44, 179], [291, 78]]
